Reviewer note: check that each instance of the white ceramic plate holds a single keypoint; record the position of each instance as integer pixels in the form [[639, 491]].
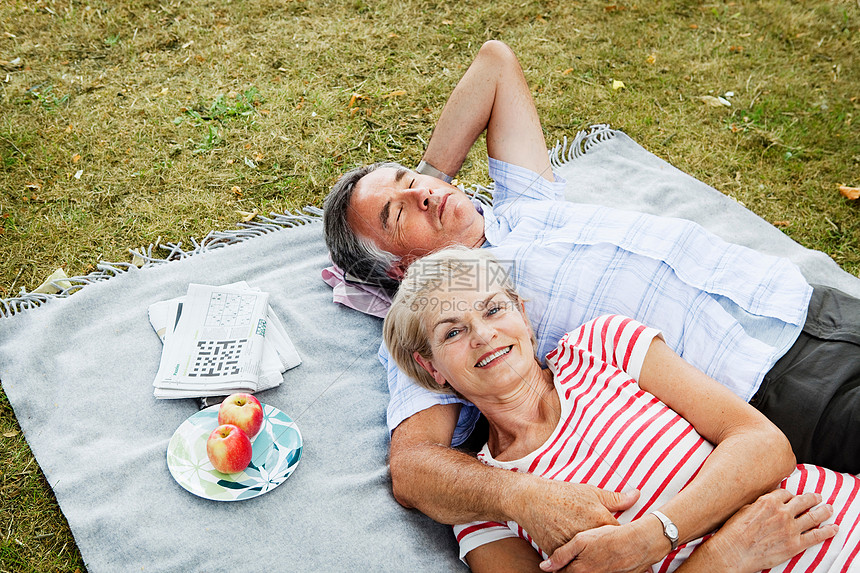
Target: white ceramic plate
[[277, 450]]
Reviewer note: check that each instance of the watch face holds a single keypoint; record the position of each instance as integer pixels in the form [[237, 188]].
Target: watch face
[[672, 531]]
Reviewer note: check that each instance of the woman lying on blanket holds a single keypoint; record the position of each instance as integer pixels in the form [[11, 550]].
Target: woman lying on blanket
[[615, 408]]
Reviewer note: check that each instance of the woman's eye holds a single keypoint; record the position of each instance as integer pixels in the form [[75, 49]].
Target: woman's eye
[[493, 310], [452, 333]]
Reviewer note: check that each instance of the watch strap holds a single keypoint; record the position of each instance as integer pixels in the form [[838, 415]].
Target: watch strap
[[426, 169]]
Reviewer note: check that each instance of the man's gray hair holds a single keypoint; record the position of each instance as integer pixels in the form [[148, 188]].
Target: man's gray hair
[[358, 256]]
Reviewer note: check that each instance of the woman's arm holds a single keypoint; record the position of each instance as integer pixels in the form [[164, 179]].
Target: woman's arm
[[512, 555], [751, 457]]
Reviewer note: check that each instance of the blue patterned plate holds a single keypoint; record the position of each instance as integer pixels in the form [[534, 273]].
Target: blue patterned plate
[[277, 450]]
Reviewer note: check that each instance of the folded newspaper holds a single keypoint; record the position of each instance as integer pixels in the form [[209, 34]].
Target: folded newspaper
[[219, 340]]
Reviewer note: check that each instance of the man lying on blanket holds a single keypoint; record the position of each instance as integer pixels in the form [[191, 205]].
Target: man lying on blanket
[[748, 320]]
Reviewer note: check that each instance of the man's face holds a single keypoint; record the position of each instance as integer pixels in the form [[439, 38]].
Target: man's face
[[411, 215]]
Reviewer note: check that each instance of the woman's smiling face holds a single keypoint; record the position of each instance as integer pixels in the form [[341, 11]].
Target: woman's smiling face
[[480, 340]]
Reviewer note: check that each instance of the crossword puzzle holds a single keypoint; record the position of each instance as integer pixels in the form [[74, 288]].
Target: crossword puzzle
[[229, 309], [217, 357]]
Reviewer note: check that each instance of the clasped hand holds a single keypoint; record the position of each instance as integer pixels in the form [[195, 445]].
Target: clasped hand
[[564, 515], [629, 548]]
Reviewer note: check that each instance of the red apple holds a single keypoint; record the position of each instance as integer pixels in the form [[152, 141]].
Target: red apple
[[243, 411], [229, 449]]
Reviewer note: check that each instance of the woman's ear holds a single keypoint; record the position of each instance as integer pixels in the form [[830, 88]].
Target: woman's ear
[[427, 365]]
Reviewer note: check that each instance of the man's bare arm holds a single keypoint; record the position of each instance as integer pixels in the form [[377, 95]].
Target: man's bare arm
[[492, 96], [453, 487]]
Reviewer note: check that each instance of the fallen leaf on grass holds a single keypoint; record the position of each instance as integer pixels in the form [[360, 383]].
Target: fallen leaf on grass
[[12, 65], [355, 97], [246, 216], [76, 157], [395, 93], [849, 192], [56, 281], [781, 223], [617, 85], [567, 71], [137, 260], [651, 59], [11, 434], [715, 101]]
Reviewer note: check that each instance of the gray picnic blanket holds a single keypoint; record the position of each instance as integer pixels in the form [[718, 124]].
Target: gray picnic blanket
[[78, 371]]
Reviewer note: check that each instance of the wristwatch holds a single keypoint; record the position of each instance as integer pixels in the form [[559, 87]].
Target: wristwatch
[[426, 169], [669, 528]]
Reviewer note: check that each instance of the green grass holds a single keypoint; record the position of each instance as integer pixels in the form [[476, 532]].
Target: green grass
[[124, 121]]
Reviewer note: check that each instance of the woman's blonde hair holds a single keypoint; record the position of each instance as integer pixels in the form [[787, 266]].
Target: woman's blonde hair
[[404, 329]]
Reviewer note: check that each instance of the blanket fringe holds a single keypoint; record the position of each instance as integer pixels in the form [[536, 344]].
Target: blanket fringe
[[562, 153], [150, 257], [582, 143]]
